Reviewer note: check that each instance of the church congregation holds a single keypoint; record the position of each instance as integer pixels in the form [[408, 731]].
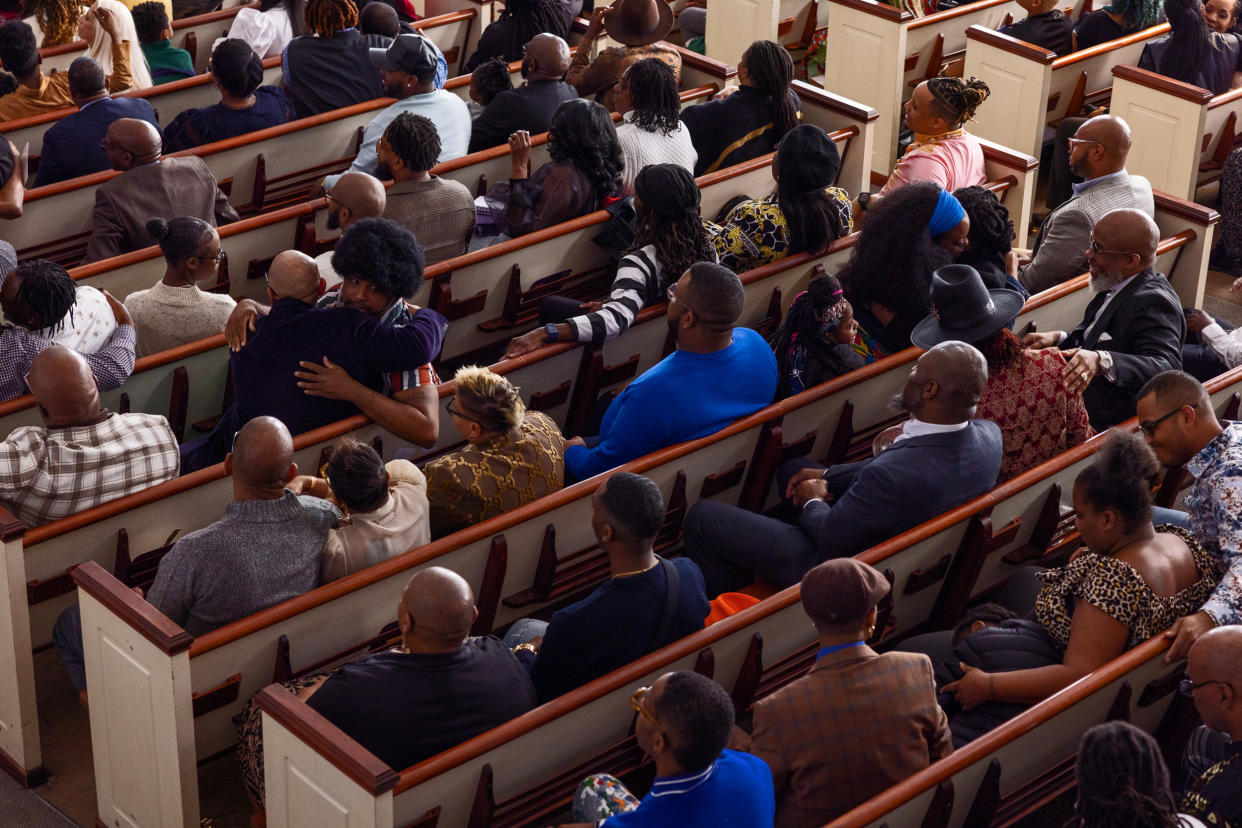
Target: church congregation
[[734, 445]]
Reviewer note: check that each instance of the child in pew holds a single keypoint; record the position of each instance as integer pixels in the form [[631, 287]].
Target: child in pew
[[167, 63], [488, 80], [1045, 25], [816, 343]]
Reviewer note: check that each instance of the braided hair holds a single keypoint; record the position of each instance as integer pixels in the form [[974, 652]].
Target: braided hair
[[770, 69], [955, 99], [991, 228], [653, 95], [1122, 780], [46, 293], [1190, 42], [668, 217], [327, 17], [804, 327], [528, 18], [583, 132], [1136, 14]]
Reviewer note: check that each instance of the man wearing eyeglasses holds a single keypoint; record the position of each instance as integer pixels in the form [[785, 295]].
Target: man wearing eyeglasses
[[1213, 680], [149, 186], [1132, 329], [1097, 153]]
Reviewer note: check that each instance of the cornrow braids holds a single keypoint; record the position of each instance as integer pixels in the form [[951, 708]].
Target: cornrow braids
[[327, 17], [957, 99], [46, 293], [1122, 780], [770, 69], [492, 398]]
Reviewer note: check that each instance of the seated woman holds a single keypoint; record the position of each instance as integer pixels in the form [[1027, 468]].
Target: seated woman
[[269, 28], [908, 235], [943, 151], [989, 238], [244, 106], [1201, 49], [651, 130], [100, 44], [54, 21], [816, 343], [520, 20], [805, 214], [1117, 19], [669, 236], [747, 120], [583, 175], [1132, 582], [385, 507], [1025, 394]]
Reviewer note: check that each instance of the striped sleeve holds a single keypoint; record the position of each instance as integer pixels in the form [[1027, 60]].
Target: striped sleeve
[[636, 284]]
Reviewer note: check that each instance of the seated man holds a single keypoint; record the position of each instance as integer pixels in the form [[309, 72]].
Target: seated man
[[717, 374], [852, 695], [438, 211], [386, 507], [940, 459], [42, 309], [263, 551], [148, 186], [71, 146], [1098, 153], [684, 723], [82, 455], [531, 105], [655, 601], [639, 26], [351, 343], [1211, 348], [1132, 330], [353, 197], [37, 93], [1044, 25], [166, 62], [512, 456], [377, 259], [440, 688], [1214, 680]]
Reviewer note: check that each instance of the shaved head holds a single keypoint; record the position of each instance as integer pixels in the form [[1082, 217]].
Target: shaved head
[[1131, 231], [440, 605], [362, 194], [1214, 666], [960, 369], [131, 142], [547, 56], [1109, 130], [293, 275], [64, 387], [1107, 143], [1221, 654], [262, 454]]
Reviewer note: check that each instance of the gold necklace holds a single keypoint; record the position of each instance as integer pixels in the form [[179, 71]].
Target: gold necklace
[[636, 571]]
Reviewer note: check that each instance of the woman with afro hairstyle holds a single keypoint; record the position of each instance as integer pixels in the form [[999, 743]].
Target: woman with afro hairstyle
[[244, 106], [943, 151], [583, 175], [669, 236]]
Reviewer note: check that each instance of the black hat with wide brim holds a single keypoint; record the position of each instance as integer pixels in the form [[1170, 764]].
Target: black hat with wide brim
[[639, 22], [963, 308]]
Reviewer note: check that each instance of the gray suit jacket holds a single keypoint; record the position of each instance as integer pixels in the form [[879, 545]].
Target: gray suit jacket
[[1060, 247], [173, 187]]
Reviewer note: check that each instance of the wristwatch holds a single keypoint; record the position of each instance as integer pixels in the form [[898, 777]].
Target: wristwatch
[[1106, 363], [551, 332], [863, 198]]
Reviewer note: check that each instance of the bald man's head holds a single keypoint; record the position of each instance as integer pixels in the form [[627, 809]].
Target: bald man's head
[[946, 383], [262, 455], [132, 142], [440, 609], [547, 58], [293, 275], [64, 387], [355, 196], [1104, 145], [1128, 231], [1215, 664]]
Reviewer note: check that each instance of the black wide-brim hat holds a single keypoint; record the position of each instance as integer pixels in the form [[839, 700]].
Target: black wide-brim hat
[[639, 22], [963, 308]]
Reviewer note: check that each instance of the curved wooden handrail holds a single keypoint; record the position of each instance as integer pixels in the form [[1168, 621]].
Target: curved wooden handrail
[[1226, 98], [11, 528], [63, 49], [126, 604], [880, 10], [1009, 158], [949, 14], [993, 38], [1110, 46], [1153, 80], [834, 103], [1191, 211], [715, 68]]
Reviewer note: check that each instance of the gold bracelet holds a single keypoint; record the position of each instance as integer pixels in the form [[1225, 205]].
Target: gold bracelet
[[527, 647]]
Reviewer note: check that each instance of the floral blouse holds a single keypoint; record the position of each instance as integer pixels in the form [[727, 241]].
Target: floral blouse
[[755, 232], [1117, 589]]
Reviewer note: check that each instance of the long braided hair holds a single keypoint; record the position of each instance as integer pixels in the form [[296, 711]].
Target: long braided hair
[[668, 217], [46, 294], [327, 17], [653, 94], [1189, 43], [1122, 780], [804, 328], [770, 69], [528, 18], [957, 99]]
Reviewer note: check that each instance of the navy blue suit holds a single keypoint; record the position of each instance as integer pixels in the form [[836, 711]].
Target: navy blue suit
[[912, 481], [71, 147]]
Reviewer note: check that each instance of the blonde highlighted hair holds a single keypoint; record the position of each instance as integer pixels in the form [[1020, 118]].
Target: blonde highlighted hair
[[490, 397]]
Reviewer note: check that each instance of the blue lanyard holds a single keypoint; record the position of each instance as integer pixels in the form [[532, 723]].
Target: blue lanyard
[[835, 647]]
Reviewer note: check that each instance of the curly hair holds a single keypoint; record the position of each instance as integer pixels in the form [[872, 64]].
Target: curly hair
[[58, 19], [668, 217], [327, 17], [991, 229], [653, 95], [582, 132], [495, 401], [382, 252], [1002, 350], [150, 20], [179, 237], [238, 69], [414, 140], [1120, 478], [770, 69], [955, 99], [1122, 780], [18, 50], [47, 293], [1136, 14], [491, 77], [895, 256]]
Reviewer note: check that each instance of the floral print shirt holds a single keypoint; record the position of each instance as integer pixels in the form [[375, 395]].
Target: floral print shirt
[[1215, 507]]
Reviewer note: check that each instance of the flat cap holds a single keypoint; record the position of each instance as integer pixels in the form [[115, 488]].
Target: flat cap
[[842, 590]]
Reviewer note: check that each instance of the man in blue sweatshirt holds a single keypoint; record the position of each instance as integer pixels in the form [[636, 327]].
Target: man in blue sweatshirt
[[717, 374]]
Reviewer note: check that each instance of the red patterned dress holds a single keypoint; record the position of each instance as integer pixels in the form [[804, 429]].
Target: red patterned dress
[[1038, 418]]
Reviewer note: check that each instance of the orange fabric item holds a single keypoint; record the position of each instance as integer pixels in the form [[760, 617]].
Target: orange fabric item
[[728, 603]]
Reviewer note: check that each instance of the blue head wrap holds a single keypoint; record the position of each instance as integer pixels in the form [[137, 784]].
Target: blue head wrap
[[949, 214]]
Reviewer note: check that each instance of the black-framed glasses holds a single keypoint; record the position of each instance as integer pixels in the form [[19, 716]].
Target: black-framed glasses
[[456, 412], [1097, 250], [1187, 688], [1149, 428]]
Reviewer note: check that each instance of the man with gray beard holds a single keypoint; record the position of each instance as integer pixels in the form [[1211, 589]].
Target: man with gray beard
[[1132, 330]]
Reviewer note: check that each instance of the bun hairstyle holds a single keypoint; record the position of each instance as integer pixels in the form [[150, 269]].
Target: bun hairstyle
[[1120, 478], [958, 99], [238, 69], [180, 237]]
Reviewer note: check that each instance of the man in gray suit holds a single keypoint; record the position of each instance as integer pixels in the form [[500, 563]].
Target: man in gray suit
[[149, 187], [938, 459], [1097, 152]]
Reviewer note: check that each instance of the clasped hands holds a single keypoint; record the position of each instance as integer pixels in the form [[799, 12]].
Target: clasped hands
[[807, 484]]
